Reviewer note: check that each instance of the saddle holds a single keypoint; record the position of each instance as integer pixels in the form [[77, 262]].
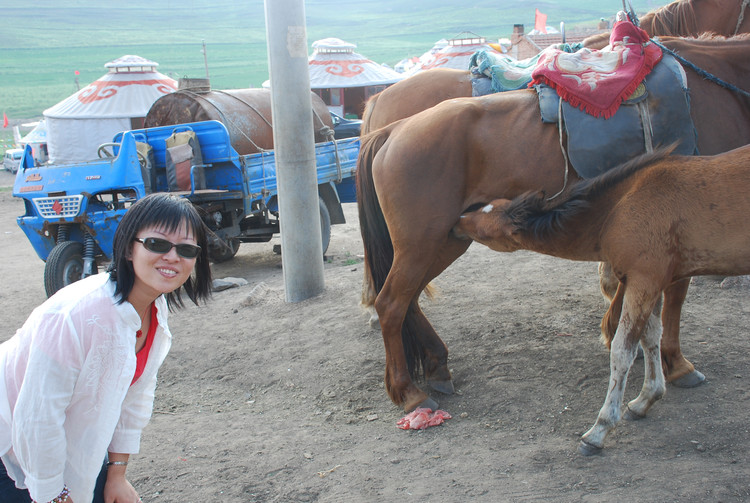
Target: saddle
[[657, 113]]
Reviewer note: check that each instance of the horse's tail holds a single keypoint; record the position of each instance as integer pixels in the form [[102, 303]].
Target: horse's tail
[[367, 114], [375, 236], [379, 248], [612, 317]]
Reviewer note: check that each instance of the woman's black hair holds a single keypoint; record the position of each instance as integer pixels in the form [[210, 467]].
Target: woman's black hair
[[167, 212]]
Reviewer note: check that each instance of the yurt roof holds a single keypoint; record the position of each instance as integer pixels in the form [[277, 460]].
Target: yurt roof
[[131, 63], [128, 89], [334, 64], [455, 54], [36, 135]]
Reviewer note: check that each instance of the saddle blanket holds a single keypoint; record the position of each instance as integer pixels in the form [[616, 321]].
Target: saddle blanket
[[497, 73], [597, 82], [658, 114]]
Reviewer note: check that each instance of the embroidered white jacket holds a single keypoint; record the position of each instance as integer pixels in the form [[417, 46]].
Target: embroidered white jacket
[[65, 394]]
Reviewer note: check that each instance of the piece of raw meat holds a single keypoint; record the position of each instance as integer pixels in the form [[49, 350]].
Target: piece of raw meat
[[422, 418]]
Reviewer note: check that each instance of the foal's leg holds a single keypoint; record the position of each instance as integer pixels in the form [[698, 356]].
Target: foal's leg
[[637, 306], [677, 369], [653, 379]]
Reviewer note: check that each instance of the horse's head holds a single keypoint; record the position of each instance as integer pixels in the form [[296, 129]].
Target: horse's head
[[489, 225]]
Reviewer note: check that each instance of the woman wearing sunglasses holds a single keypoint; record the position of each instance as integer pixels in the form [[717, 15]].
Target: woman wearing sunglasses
[[77, 380]]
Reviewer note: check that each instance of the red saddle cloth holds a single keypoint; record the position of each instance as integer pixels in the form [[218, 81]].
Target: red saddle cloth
[[597, 82]]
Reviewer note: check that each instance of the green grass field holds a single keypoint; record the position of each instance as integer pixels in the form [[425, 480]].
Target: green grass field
[[44, 42]]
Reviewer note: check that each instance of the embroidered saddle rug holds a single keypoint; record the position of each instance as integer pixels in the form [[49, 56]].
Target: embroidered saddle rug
[[597, 82]]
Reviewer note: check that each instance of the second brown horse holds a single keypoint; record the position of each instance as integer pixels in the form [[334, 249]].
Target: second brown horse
[[417, 176]]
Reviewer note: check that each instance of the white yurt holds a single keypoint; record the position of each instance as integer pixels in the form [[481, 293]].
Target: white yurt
[[344, 78], [456, 53], [117, 101], [37, 138]]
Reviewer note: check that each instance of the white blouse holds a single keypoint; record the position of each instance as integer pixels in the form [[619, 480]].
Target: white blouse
[[65, 393]]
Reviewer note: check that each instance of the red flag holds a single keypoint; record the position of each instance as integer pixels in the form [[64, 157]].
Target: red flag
[[5, 120], [540, 22]]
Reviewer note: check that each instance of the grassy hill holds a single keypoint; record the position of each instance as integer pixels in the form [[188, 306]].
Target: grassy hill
[[44, 42]]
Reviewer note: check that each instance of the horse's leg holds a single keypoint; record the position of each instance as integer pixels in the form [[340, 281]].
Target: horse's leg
[[392, 304], [653, 379], [368, 300], [397, 305], [637, 306], [435, 352], [677, 369]]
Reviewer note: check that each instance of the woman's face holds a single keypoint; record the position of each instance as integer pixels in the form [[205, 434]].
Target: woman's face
[[157, 273]]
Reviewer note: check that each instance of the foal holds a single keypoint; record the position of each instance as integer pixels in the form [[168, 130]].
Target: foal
[[656, 219]]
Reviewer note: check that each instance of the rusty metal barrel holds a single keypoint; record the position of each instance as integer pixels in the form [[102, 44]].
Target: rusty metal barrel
[[246, 113]]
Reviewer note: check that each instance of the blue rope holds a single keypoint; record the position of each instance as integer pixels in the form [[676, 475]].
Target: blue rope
[[703, 73]]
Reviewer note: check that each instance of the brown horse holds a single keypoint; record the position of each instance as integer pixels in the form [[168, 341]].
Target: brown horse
[[689, 18], [686, 18], [682, 18], [656, 220], [417, 176]]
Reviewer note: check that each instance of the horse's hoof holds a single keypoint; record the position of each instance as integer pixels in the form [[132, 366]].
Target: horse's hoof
[[690, 380], [445, 387], [428, 403], [586, 449], [374, 322], [630, 415]]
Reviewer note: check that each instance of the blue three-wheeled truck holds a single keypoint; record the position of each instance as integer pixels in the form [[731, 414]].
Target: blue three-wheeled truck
[[72, 210]]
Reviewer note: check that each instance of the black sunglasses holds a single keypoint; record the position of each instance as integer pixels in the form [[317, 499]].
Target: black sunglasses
[[162, 246]]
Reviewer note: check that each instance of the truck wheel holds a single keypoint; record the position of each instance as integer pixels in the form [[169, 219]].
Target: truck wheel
[[64, 266], [226, 254], [325, 224]]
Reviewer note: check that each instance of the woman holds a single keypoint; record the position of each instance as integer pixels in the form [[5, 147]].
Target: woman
[[77, 380]]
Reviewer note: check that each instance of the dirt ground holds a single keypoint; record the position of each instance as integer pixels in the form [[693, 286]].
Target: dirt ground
[[266, 401]]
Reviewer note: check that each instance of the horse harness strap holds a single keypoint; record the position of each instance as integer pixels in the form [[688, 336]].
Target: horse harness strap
[[648, 127], [741, 17], [560, 128], [700, 71]]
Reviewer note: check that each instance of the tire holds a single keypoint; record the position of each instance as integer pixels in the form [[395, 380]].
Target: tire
[[64, 266], [226, 254], [325, 224]]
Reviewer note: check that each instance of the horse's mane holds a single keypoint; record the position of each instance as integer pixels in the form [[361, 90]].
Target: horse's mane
[[677, 19], [532, 213], [708, 38]]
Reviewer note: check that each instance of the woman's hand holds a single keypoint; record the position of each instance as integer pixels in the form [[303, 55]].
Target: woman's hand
[[118, 489]]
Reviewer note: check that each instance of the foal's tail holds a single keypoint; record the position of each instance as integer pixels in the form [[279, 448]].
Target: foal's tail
[[375, 236], [612, 316]]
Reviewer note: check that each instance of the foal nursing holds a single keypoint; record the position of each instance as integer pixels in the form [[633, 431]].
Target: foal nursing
[[656, 219]]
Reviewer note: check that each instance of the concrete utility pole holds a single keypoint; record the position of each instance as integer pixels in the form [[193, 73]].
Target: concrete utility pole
[[294, 145]]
